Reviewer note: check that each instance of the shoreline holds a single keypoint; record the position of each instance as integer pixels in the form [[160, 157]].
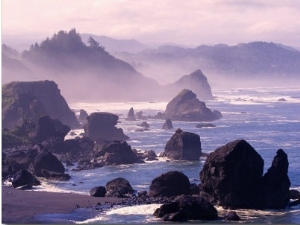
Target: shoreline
[[22, 207]]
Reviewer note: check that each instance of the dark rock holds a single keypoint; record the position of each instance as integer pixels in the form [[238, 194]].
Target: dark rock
[[194, 189], [183, 146], [139, 115], [130, 115], [187, 208], [50, 175], [23, 177], [117, 152], [148, 155], [82, 116], [47, 161], [102, 125], [186, 107], [167, 125], [277, 183], [282, 100], [30, 100], [169, 184], [202, 125], [232, 216], [118, 187], [294, 203], [294, 194], [99, 191], [144, 124], [231, 176]]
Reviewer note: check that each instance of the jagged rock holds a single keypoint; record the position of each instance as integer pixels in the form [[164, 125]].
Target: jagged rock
[[101, 125], [82, 116], [183, 146], [169, 184], [167, 125], [117, 152], [30, 100], [24, 178], [231, 176], [118, 187], [47, 161], [276, 182], [186, 107], [130, 115], [186, 208], [99, 191]]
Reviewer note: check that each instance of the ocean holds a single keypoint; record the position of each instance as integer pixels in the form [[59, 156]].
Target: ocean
[[267, 118]]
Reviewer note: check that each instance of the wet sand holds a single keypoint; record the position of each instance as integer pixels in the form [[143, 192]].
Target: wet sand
[[19, 206]]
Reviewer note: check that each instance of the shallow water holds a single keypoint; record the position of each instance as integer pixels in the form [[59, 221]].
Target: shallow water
[[255, 115]]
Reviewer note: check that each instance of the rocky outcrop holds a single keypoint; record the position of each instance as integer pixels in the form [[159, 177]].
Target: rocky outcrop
[[101, 125], [232, 177], [130, 115], [30, 100], [24, 178], [169, 184], [186, 107], [116, 153], [196, 81], [167, 125], [276, 182], [82, 116], [183, 146], [118, 187], [185, 208]]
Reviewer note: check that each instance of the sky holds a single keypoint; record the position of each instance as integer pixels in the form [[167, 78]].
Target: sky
[[186, 22]]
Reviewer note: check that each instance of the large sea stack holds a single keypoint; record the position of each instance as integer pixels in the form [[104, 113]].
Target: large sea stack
[[30, 100], [186, 107]]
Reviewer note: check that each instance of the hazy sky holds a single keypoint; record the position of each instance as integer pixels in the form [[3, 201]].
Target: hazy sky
[[188, 22]]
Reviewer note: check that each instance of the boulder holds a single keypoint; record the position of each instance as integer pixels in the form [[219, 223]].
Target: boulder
[[186, 107], [24, 178], [231, 176], [294, 194], [30, 100], [232, 216], [47, 161], [167, 125], [144, 124], [130, 115], [183, 146], [116, 153], [101, 125], [276, 182], [169, 184], [118, 187], [186, 208], [99, 191], [82, 115]]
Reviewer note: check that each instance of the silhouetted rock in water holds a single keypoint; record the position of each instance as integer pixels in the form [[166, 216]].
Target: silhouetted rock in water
[[231, 176], [130, 115], [232, 216], [139, 115], [23, 177], [185, 208], [196, 81], [144, 124], [48, 128], [82, 116], [186, 107], [116, 153], [102, 125], [99, 191], [30, 100], [169, 184], [47, 161], [183, 146], [167, 125], [277, 183], [50, 175], [294, 194], [148, 155], [282, 100], [202, 125], [118, 187]]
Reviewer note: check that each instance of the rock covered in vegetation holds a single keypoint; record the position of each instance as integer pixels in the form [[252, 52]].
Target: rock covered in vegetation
[[183, 146], [232, 176], [185, 208], [30, 100], [101, 125], [186, 107], [169, 184]]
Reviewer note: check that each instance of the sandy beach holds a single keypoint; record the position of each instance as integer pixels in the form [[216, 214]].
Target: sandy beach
[[19, 206]]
